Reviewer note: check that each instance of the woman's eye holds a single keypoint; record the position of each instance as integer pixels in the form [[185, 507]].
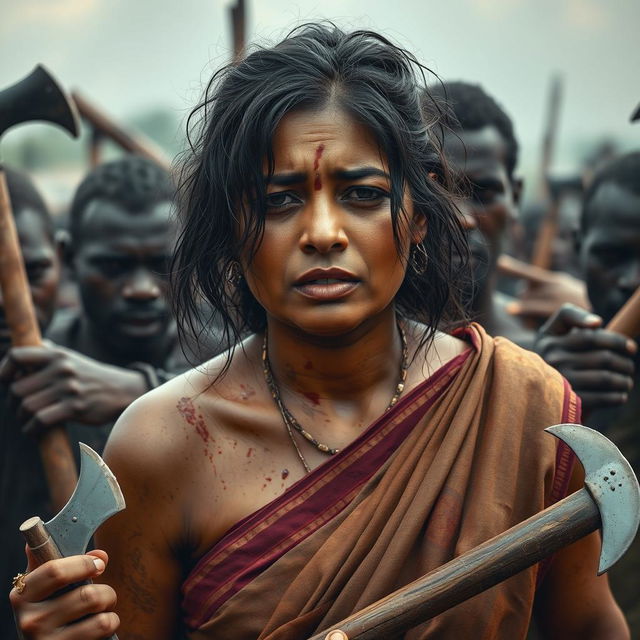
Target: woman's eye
[[280, 200], [365, 194]]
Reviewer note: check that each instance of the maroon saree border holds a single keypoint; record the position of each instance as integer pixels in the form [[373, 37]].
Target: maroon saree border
[[260, 539], [565, 459]]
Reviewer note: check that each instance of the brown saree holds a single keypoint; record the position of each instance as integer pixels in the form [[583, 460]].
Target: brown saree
[[461, 458]]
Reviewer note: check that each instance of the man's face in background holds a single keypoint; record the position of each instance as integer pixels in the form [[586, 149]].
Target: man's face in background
[[42, 262]]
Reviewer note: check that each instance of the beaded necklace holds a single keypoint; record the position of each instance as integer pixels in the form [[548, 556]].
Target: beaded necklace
[[290, 421]]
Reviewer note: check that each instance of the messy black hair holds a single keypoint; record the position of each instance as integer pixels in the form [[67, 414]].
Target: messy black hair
[[133, 182], [24, 195], [623, 171], [469, 107], [222, 195]]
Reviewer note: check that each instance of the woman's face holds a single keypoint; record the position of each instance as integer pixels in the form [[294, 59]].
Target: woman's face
[[328, 261]]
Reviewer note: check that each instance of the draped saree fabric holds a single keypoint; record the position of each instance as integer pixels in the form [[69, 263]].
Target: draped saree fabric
[[461, 458]]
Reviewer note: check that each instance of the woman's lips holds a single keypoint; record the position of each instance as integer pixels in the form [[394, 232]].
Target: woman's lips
[[327, 288]]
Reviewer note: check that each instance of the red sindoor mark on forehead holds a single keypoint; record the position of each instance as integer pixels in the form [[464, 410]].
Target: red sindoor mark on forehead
[[317, 184]]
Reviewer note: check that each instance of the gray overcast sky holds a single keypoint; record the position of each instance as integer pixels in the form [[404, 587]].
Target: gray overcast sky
[[131, 55]]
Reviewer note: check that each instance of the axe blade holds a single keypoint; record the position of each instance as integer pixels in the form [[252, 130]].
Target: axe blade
[[96, 498], [38, 96], [612, 484]]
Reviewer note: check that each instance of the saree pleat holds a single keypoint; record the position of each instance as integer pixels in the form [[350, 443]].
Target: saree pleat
[[462, 458]]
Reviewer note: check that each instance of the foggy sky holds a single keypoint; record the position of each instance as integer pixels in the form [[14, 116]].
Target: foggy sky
[[138, 54]]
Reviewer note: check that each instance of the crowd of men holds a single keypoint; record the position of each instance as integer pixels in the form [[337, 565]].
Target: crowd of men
[[121, 340]]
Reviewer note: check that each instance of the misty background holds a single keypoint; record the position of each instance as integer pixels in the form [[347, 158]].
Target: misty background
[[146, 62]]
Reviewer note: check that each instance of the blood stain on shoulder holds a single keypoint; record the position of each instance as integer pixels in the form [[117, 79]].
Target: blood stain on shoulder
[[190, 415]]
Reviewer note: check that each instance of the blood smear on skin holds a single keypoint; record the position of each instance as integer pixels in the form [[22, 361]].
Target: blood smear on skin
[[313, 396], [317, 184]]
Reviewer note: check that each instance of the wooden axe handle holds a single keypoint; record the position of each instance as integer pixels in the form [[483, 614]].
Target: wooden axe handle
[[40, 543], [627, 320], [477, 570], [55, 449]]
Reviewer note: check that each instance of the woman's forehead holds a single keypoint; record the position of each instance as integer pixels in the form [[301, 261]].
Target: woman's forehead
[[329, 135]]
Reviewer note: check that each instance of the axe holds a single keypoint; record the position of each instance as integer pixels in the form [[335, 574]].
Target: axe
[[36, 97], [96, 498], [610, 500]]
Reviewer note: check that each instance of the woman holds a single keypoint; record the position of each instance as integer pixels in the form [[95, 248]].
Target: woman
[[348, 445]]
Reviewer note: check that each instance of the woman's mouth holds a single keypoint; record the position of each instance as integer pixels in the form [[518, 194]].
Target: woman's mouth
[[326, 284], [327, 288]]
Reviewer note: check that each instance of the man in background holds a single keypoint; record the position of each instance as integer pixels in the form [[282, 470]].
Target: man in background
[[602, 364], [22, 480], [98, 359], [122, 341], [482, 150]]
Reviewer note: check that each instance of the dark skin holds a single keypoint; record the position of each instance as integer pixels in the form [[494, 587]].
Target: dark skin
[[600, 364], [42, 262], [479, 158], [224, 445], [120, 263]]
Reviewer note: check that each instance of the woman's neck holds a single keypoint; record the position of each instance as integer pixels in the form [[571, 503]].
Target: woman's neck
[[341, 370]]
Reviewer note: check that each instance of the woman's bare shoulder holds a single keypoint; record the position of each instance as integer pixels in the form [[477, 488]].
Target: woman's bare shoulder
[[153, 427]]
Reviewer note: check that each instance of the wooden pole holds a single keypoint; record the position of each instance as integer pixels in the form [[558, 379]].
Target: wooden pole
[[514, 268], [107, 127], [627, 320], [543, 247], [238, 28], [54, 445]]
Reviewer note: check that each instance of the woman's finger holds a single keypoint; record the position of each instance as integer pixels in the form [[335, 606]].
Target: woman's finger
[[68, 608], [47, 579], [35, 624], [101, 625]]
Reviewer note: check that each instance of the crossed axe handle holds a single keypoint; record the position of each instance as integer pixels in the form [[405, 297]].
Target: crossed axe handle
[[610, 500], [36, 97], [530, 541]]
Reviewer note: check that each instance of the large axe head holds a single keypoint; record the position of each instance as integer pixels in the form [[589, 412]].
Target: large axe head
[[38, 96], [96, 498], [612, 484]]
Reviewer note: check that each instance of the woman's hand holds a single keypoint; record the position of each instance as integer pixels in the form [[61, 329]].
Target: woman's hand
[[84, 613]]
